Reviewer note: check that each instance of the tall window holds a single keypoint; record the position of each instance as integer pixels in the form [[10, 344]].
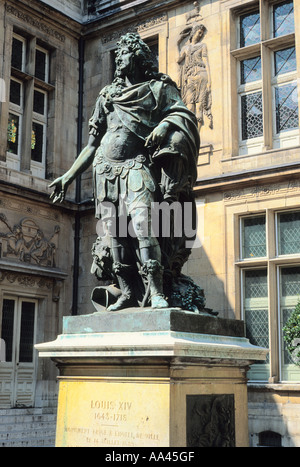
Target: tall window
[[269, 268], [285, 93], [28, 106], [256, 315], [267, 78], [18, 320], [251, 102], [253, 237], [16, 99]]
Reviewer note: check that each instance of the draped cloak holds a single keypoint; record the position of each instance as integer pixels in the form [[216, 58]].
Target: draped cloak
[[140, 108]]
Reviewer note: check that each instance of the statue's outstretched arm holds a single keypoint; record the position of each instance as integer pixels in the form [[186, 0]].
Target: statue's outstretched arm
[[82, 162]]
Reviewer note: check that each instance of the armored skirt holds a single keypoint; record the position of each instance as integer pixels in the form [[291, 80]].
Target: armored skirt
[[126, 185]]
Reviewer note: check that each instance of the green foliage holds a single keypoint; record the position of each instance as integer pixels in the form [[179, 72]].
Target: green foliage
[[291, 332]]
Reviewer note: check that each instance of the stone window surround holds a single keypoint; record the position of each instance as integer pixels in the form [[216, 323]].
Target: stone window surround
[[272, 262], [265, 49], [25, 22], [30, 83]]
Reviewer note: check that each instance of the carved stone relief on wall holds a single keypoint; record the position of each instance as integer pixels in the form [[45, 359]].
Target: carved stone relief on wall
[[26, 242], [194, 68]]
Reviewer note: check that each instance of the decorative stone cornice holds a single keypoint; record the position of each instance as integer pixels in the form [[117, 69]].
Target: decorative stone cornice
[[262, 191], [135, 27], [48, 281], [33, 21]]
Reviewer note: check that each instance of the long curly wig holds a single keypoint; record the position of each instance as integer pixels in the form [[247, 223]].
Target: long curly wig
[[142, 53], [144, 62]]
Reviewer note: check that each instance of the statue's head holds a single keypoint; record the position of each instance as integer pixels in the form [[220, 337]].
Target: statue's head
[[197, 30], [132, 52]]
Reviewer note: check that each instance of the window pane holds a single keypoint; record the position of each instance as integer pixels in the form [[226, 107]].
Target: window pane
[[290, 283], [256, 308], [13, 133], [257, 327], [37, 142], [15, 92], [256, 285], [27, 332], [39, 102], [250, 70], [17, 53], [7, 330], [40, 65], [283, 18], [285, 61], [286, 99], [249, 29], [289, 233], [254, 237], [154, 53], [252, 115]]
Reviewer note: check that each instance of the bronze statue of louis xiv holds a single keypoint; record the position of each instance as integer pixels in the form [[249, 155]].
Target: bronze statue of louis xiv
[[143, 144]]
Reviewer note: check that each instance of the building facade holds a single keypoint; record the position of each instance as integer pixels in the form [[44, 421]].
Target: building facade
[[238, 66]]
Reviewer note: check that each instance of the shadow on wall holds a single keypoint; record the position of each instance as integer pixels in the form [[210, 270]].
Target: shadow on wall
[[201, 265], [200, 269]]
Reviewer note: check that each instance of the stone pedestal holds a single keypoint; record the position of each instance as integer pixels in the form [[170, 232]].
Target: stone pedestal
[[155, 378]]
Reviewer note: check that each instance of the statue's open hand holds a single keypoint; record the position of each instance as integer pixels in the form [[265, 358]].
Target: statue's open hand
[[60, 189], [157, 136]]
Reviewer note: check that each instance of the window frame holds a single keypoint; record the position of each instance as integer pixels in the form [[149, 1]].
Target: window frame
[[271, 140], [272, 4], [30, 83], [277, 240], [24, 41], [241, 233], [16, 336], [276, 81], [18, 110], [47, 63], [19, 373], [38, 168], [260, 368], [249, 145], [238, 26], [273, 263]]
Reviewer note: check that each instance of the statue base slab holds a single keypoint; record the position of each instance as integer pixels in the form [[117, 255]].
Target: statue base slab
[[154, 378]]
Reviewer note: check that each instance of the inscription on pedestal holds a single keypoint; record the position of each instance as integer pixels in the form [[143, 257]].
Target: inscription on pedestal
[[210, 420], [112, 414]]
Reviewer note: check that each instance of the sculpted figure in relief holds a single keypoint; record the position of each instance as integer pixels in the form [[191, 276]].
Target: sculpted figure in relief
[[26, 242], [143, 145], [195, 78]]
